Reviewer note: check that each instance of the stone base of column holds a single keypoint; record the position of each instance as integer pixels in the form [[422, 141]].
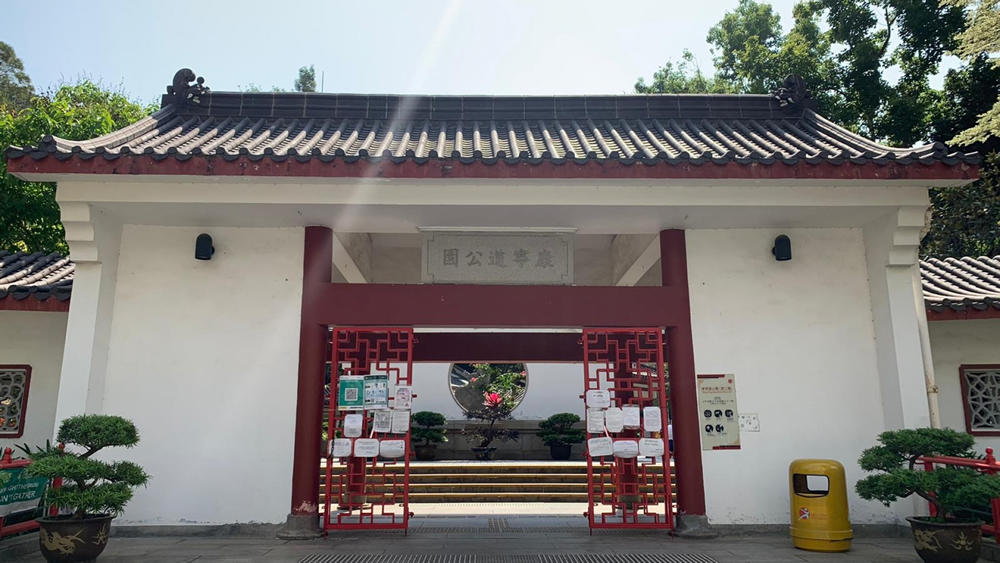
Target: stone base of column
[[695, 527], [301, 527]]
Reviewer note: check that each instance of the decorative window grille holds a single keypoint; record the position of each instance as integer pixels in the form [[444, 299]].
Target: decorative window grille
[[982, 398], [14, 382]]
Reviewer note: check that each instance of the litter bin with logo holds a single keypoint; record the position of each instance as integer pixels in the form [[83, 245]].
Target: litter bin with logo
[[818, 492]]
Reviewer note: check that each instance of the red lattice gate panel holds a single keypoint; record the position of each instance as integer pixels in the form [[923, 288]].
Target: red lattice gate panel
[[367, 492], [625, 491]]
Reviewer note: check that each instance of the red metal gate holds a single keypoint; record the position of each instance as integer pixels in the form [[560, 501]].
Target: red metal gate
[[628, 492], [367, 492]]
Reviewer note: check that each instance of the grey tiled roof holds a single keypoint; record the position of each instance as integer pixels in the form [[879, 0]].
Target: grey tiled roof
[[37, 275], [963, 283], [648, 129]]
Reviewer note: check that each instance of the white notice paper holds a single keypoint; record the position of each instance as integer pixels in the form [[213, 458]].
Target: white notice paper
[[404, 398], [392, 448], [341, 447], [352, 425], [631, 414], [400, 422], [383, 421], [598, 447], [651, 447], [614, 420], [651, 420], [626, 449], [365, 447], [595, 421], [598, 399]]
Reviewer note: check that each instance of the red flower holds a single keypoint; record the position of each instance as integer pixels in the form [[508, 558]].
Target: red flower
[[473, 380], [493, 400]]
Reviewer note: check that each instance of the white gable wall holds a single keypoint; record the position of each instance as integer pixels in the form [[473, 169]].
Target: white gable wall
[[36, 339], [204, 358], [957, 343], [799, 337]]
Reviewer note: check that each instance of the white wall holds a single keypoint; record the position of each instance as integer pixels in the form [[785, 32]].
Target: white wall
[[954, 343], [203, 358], [799, 338], [35, 339], [552, 388]]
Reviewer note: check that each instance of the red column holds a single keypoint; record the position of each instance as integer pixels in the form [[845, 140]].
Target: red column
[[683, 384], [317, 266]]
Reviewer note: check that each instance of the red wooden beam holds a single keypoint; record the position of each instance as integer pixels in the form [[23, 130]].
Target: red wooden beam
[[507, 347], [498, 306], [51, 305], [968, 314], [450, 168]]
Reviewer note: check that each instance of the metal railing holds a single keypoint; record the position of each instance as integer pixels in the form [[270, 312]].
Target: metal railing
[[987, 465], [7, 461]]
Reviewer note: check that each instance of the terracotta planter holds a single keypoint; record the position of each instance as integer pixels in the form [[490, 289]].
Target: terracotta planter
[[62, 540], [425, 453], [561, 453], [946, 542]]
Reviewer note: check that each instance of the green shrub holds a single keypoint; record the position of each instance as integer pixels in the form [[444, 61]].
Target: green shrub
[[952, 489], [426, 421], [557, 430], [90, 487]]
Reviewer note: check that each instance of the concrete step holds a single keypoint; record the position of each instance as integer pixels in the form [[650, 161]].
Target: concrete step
[[497, 468], [499, 478]]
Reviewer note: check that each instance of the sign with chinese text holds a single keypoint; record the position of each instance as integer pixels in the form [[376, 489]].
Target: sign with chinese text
[[497, 258], [19, 492], [719, 417]]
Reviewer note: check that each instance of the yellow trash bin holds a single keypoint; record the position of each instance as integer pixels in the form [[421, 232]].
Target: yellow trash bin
[[818, 492]]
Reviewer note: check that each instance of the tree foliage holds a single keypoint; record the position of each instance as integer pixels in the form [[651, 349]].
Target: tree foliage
[[951, 488], [427, 423], [306, 82], [29, 215], [90, 487], [980, 42], [557, 430], [15, 85]]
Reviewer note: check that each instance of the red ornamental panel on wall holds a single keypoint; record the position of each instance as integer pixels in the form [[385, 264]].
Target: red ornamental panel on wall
[[368, 488], [629, 487]]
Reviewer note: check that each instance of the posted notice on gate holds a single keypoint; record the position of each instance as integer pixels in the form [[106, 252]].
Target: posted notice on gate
[[720, 419]]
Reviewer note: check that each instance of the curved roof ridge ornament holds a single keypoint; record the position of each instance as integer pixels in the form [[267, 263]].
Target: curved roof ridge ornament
[[793, 91], [182, 92]]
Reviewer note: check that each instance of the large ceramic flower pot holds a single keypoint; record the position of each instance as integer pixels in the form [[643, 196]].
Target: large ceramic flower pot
[[561, 453], [425, 453], [946, 542], [63, 540], [484, 454]]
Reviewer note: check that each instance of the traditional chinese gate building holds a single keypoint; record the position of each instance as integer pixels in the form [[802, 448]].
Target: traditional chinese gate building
[[320, 208]]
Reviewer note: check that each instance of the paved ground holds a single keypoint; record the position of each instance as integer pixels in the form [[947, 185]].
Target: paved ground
[[492, 539]]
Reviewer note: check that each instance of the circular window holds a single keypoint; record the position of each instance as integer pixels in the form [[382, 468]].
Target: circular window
[[473, 384]]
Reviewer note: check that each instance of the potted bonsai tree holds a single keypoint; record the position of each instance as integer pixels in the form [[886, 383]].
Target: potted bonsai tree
[[954, 535], [495, 409], [558, 434], [427, 423], [93, 492]]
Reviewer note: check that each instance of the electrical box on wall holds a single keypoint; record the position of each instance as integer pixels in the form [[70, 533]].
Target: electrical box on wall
[[719, 417]]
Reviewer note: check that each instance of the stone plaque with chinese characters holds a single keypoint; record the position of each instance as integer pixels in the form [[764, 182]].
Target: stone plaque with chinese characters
[[498, 258], [719, 417]]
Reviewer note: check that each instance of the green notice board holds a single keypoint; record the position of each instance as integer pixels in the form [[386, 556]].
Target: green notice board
[[19, 492], [351, 393]]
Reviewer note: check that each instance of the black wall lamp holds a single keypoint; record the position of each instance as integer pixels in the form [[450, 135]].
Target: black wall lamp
[[782, 248], [203, 249]]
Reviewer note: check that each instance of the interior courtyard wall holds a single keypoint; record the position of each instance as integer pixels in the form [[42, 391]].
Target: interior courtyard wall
[[957, 343], [204, 359], [799, 337], [36, 339]]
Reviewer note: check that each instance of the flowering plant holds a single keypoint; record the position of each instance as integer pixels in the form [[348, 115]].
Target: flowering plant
[[503, 386]]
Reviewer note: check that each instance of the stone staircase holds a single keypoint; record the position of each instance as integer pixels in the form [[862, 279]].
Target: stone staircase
[[496, 481]]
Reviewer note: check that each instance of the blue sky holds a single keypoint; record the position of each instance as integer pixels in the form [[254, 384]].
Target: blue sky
[[390, 46]]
